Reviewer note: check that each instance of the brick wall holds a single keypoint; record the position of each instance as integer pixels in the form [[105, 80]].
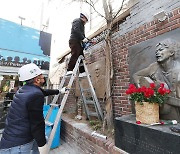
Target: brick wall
[[122, 41], [78, 135], [143, 12], [139, 26], [120, 55], [71, 103]]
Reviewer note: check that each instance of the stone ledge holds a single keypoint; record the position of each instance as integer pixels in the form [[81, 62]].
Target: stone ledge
[[78, 135], [145, 139]]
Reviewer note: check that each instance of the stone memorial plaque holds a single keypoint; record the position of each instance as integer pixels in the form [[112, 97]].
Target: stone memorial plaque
[[145, 139]]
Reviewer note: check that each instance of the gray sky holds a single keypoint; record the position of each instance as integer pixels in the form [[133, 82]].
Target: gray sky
[[29, 9]]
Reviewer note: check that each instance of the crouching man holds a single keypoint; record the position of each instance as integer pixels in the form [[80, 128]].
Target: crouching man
[[25, 127]]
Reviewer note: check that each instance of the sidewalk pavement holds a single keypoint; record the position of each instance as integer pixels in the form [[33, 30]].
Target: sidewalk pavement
[[64, 148]]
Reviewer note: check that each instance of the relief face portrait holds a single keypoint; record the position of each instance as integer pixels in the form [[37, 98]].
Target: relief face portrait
[[164, 50]]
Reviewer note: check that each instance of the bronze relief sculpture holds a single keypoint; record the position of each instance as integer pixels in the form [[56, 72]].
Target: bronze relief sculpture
[[165, 70]]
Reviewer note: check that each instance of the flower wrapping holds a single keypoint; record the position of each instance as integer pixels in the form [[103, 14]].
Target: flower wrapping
[[147, 113]]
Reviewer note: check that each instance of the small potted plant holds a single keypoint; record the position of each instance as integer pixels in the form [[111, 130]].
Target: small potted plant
[[147, 101]]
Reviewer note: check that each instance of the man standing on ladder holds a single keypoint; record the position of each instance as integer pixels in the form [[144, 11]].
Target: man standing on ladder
[[25, 126], [76, 43]]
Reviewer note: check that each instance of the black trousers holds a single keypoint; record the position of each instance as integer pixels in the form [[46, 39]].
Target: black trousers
[[76, 51]]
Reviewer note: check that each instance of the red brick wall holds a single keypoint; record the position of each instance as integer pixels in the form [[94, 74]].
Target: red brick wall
[[71, 103], [79, 137], [121, 105]]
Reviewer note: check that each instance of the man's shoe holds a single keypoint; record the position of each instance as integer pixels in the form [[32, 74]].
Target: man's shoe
[[68, 73], [81, 75]]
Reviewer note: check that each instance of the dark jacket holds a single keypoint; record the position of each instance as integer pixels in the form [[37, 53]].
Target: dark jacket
[[48, 92], [25, 120], [77, 30]]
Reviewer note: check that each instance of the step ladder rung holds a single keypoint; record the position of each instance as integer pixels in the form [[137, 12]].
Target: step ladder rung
[[55, 105], [68, 76], [84, 90], [82, 77], [89, 102], [93, 114], [48, 123]]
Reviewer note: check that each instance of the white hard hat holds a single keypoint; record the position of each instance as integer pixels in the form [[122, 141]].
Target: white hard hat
[[29, 71], [85, 15]]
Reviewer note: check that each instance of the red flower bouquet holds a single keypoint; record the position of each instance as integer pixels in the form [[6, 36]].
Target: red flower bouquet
[[151, 94]]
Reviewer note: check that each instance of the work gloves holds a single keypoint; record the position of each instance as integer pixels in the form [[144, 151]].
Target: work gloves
[[85, 40]]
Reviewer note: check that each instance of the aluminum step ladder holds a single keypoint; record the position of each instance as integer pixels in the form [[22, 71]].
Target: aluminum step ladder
[[89, 102], [98, 112]]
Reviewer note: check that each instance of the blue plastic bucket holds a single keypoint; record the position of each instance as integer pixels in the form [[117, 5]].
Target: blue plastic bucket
[[56, 140]]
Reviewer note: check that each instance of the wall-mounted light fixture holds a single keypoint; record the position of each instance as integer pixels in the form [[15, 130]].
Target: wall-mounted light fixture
[[161, 16]]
